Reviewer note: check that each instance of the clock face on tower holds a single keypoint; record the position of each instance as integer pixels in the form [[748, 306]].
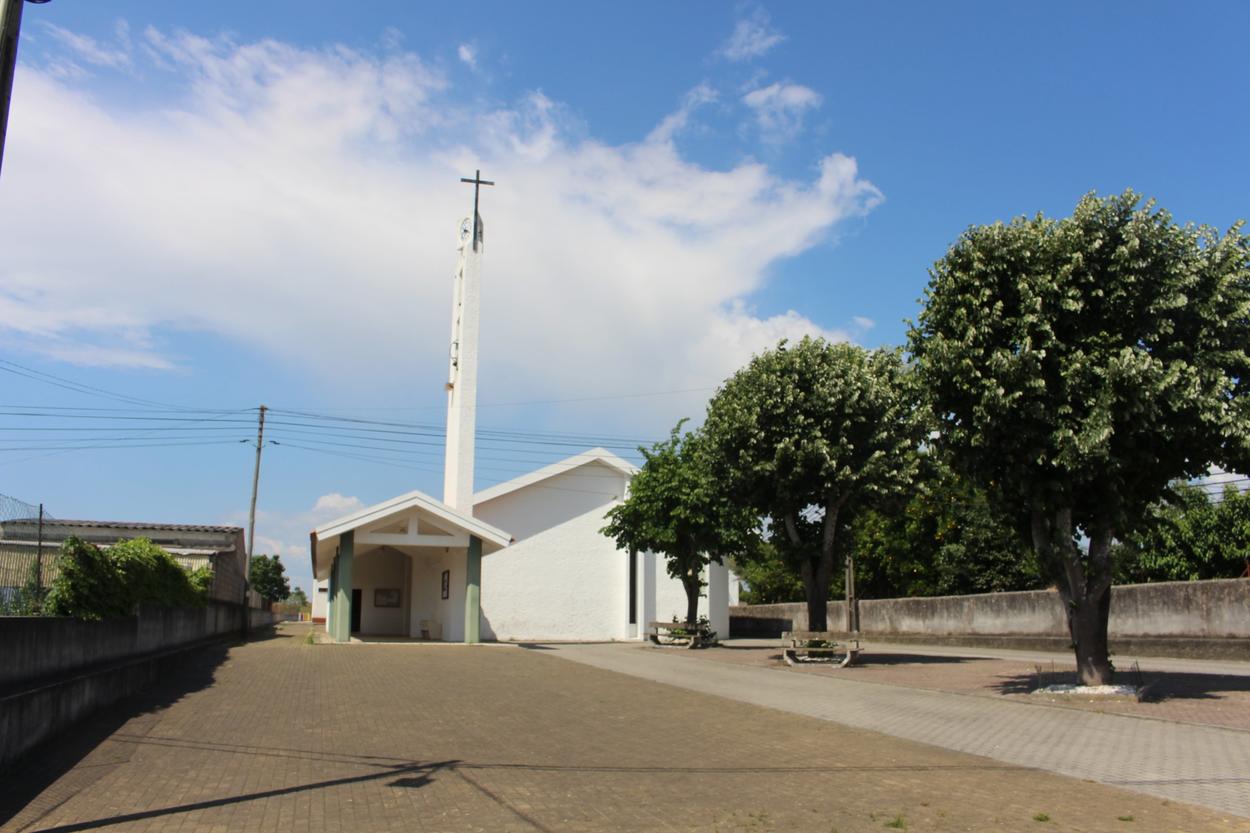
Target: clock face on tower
[[466, 228]]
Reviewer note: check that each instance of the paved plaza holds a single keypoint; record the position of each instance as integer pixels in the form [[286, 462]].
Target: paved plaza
[[281, 735]]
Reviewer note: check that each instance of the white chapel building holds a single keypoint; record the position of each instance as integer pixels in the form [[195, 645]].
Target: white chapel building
[[519, 561]]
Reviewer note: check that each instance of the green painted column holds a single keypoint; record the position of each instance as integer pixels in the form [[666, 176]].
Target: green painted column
[[342, 596], [473, 592], [332, 608]]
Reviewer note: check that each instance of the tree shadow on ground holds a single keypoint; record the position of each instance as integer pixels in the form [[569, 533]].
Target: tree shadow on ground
[[178, 675], [869, 657], [1156, 685]]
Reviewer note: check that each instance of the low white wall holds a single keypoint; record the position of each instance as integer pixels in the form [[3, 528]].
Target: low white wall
[[1190, 609]]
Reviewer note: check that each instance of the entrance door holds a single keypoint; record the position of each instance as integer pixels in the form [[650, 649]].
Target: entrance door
[[356, 605]]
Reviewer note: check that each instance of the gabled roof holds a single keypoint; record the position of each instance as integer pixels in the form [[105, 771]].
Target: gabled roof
[[454, 518], [594, 455]]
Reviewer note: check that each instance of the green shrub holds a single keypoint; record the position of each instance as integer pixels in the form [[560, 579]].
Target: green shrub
[[102, 584], [88, 586]]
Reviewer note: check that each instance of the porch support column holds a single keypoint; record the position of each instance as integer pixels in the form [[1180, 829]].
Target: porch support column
[[341, 590], [473, 592]]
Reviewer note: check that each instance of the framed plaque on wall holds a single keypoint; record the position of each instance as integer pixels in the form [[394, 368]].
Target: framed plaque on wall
[[386, 597]]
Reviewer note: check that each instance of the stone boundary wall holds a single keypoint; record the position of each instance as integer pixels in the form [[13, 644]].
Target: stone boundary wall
[[57, 671], [1218, 609]]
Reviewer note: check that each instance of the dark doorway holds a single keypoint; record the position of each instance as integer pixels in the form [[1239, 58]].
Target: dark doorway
[[356, 605]]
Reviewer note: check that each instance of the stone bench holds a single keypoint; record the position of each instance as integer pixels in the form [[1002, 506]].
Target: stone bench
[[841, 649], [694, 635]]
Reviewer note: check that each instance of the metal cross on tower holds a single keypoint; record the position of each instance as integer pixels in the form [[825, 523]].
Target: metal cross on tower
[[477, 182]]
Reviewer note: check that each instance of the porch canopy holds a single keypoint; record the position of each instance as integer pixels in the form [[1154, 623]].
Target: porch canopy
[[409, 523]]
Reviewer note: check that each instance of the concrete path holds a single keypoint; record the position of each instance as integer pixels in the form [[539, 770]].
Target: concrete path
[[1200, 765]]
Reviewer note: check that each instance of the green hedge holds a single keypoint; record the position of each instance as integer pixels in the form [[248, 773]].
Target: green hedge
[[102, 584]]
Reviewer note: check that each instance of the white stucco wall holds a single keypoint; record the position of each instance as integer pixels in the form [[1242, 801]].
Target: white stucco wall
[[541, 506], [426, 588], [382, 568], [320, 599], [670, 596], [663, 597], [564, 583]]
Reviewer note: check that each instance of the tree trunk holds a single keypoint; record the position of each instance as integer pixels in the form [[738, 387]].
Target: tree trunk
[[692, 588], [817, 571], [1087, 622], [1084, 586]]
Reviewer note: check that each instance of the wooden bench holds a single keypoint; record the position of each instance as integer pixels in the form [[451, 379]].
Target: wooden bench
[[695, 636], [842, 649]]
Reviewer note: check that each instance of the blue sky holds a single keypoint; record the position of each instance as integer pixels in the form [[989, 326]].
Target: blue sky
[[214, 206]]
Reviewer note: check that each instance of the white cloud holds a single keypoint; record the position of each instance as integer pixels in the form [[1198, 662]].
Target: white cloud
[[779, 108], [328, 507], [91, 51], [304, 203], [863, 322], [468, 54], [751, 38], [676, 121]]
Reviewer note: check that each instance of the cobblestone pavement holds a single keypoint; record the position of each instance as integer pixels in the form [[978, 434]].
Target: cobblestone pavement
[[285, 736], [1205, 692], [1202, 765]]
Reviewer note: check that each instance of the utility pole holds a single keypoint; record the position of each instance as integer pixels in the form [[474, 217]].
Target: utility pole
[[852, 596], [39, 556], [251, 517], [10, 29]]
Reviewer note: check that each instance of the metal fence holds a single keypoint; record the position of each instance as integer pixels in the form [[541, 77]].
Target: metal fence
[[27, 567]]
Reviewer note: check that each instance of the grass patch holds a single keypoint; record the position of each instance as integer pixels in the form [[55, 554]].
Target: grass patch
[[1124, 818], [1041, 817], [897, 823]]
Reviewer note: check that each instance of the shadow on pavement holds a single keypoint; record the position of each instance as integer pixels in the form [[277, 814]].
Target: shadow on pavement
[[870, 657], [28, 780], [1157, 685]]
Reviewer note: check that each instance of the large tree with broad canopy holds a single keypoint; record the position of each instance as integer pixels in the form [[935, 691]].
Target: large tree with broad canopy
[[804, 430], [1077, 366]]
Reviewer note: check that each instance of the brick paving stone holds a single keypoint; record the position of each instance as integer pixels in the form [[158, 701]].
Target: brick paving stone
[[1209, 693], [283, 736], [1203, 765]]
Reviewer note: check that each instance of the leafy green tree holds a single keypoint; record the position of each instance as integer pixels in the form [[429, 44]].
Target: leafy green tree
[[944, 538], [267, 577], [1077, 366], [675, 507], [1187, 537], [804, 432], [768, 578], [297, 598]]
